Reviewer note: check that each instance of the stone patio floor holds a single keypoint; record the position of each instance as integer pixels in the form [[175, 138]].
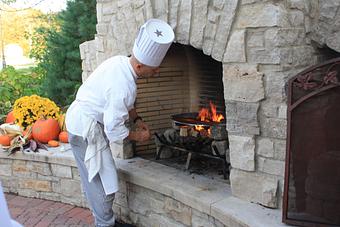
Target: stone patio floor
[[41, 213]]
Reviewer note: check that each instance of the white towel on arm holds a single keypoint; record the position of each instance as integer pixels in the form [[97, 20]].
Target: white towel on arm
[[96, 144]]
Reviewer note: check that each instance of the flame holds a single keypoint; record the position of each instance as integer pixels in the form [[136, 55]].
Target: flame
[[199, 127], [210, 115], [203, 131], [204, 114]]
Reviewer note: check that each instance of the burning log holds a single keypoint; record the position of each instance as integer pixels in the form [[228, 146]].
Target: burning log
[[218, 132], [183, 131], [205, 132], [194, 133], [171, 136]]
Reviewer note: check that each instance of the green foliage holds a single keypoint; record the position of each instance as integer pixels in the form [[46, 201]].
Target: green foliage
[[15, 84], [39, 36], [8, 1], [60, 60]]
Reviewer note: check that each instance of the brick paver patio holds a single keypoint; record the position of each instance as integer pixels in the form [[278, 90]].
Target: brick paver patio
[[41, 213]]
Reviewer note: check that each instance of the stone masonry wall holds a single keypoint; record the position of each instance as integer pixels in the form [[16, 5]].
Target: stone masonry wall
[[275, 48], [261, 44], [322, 21], [57, 181], [144, 208]]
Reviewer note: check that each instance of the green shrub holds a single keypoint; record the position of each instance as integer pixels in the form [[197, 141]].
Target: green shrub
[[15, 83]]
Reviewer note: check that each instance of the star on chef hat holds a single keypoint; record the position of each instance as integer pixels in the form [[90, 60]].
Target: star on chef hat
[[153, 41]]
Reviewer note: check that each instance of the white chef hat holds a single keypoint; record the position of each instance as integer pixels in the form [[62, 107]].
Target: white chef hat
[[153, 41]]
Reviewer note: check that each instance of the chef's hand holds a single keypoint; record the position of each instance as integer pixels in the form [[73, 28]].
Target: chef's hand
[[143, 135], [140, 124], [140, 135]]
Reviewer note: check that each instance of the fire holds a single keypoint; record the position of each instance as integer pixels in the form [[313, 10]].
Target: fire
[[199, 127], [203, 131], [210, 115]]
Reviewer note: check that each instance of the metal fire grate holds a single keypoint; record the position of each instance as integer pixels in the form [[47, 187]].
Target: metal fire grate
[[185, 139]]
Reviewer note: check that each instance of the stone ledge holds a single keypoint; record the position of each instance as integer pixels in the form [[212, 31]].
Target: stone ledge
[[206, 195], [232, 209], [203, 194], [53, 155]]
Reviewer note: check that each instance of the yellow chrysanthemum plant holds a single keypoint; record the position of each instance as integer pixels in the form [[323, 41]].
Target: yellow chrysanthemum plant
[[37, 121], [29, 109]]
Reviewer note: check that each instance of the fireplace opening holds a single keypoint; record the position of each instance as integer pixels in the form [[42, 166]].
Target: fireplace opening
[[185, 110]]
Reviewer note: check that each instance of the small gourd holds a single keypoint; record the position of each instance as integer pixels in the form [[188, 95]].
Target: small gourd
[[63, 137], [53, 143], [5, 140]]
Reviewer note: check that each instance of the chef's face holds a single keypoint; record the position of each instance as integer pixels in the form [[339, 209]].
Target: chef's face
[[145, 71]]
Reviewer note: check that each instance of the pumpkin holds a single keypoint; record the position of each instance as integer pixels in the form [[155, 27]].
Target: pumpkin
[[53, 143], [10, 117], [44, 130], [5, 140], [63, 137]]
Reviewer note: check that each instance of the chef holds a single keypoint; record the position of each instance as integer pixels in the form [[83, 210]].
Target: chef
[[104, 102]]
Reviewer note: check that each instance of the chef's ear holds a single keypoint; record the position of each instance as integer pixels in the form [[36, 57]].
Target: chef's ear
[[139, 66]]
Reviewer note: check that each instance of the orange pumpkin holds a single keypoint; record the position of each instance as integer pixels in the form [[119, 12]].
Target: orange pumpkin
[[10, 117], [63, 137], [5, 140], [44, 130], [53, 143]]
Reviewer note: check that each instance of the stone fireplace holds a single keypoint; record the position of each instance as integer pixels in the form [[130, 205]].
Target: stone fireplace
[[255, 45]]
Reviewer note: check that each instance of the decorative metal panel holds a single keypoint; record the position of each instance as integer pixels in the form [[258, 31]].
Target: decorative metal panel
[[312, 175]]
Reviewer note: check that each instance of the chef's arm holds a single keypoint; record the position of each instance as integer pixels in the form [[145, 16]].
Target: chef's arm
[[139, 136], [137, 120], [142, 132], [133, 115]]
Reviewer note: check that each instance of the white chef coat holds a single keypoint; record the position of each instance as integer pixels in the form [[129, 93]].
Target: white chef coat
[[106, 96]]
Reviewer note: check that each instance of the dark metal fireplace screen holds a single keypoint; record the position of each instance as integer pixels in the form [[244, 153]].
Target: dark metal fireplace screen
[[312, 175]]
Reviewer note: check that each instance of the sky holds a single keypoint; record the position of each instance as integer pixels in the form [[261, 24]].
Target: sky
[[44, 5]]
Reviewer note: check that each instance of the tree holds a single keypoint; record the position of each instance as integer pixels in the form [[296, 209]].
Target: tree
[[38, 38], [61, 59]]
